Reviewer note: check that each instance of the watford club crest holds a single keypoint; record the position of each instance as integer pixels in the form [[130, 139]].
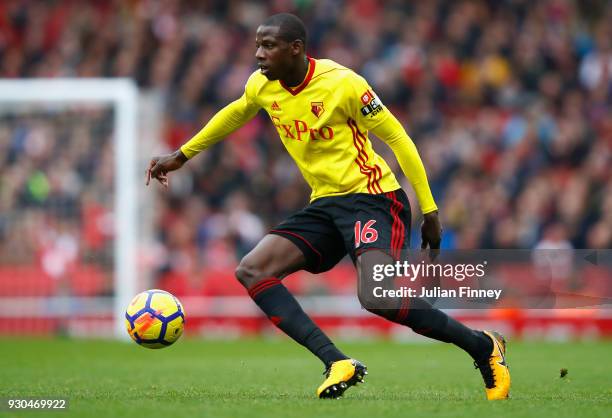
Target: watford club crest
[[317, 108]]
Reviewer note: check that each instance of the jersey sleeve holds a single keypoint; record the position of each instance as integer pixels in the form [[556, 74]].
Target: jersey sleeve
[[225, 121], [367, 109]]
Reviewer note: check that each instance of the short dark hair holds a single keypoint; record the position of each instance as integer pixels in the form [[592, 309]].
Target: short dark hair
[[290, 27]]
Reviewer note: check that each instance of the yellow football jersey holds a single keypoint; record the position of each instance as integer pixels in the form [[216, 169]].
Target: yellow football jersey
[[324, 123]]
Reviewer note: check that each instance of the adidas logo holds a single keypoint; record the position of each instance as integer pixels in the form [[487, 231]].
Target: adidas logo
[[275, 106]]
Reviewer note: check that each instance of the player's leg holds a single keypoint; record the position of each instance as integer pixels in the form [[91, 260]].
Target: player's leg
[[376, 230], [416, 313], [307, 240], [261, 271], [487, 348], [388, 217]]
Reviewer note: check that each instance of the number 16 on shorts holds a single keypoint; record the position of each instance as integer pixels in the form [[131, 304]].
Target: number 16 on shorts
[[366, 235]]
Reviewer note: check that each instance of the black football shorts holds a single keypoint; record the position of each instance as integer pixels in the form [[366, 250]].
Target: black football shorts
[[330, 227]]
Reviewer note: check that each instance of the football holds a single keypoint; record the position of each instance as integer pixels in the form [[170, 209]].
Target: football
[[155, 319]]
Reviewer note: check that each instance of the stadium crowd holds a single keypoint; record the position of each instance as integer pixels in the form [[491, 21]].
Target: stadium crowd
[[509, 103]]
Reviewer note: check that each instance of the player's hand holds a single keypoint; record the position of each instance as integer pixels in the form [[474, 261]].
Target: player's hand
[[159, 167], [431, 234]]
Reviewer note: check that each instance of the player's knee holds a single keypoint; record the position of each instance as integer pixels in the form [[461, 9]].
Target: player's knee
[[248, 274], [365, 299], [376, 305], [370, 299]]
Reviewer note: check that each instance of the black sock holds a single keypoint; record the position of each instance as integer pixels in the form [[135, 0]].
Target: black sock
[[419, 315], [285, 312]]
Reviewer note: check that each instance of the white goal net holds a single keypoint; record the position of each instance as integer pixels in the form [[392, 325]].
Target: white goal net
[[68, 205]]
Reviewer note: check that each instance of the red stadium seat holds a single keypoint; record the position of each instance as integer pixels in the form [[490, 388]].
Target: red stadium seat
[[25, 281], [221, 282], [89, 280], [177, 283]]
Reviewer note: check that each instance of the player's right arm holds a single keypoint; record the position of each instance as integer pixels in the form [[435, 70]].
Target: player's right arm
[[226, 121]]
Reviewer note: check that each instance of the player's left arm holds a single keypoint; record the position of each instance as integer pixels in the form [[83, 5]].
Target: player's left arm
[[372, 114], [393, 134]]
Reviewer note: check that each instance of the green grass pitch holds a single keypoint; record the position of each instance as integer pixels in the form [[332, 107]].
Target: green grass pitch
[[278, 379]]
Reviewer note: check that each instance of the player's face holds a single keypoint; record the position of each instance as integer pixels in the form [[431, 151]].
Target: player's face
[[274, 55]]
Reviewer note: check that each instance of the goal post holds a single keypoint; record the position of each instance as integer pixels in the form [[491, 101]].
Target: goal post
[[122, 95]]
